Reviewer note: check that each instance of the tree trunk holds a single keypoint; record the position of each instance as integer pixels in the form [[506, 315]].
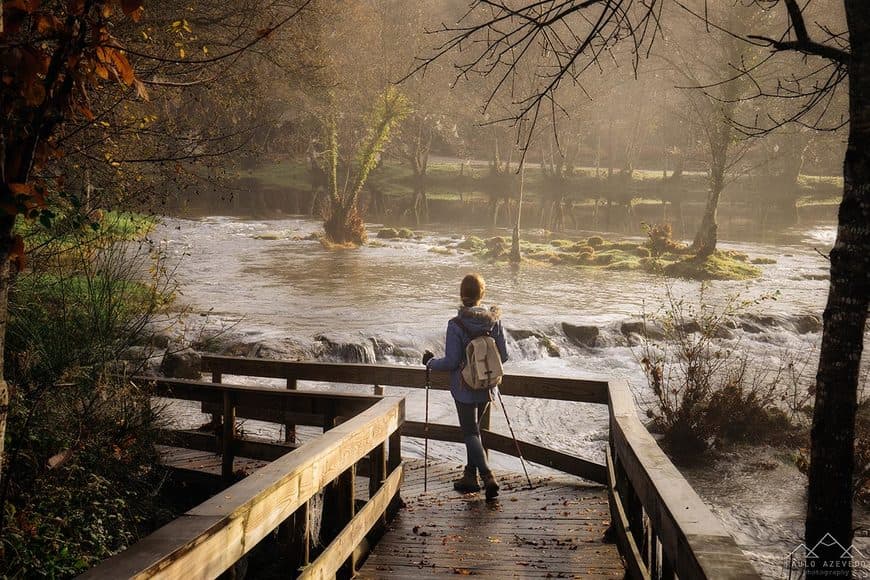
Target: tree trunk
[[705, 238], [7, 224], [516, 256], [829, 509]]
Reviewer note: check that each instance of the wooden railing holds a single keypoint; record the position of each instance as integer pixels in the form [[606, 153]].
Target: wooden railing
[[662, 526], [210, 538], [664, 530]]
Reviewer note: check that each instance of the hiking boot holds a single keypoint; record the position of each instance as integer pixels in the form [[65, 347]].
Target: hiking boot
[[490, 485], [468, 482]]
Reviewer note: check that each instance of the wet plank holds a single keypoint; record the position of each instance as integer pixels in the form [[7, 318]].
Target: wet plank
[[554, 530]]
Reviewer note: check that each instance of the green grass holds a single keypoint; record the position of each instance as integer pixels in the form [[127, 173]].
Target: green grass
[[65, 233]]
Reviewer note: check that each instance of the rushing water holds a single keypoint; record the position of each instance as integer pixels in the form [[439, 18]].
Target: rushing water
[[283, 292]]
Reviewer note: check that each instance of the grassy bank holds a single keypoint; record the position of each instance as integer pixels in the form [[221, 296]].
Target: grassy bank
[[598, 253]]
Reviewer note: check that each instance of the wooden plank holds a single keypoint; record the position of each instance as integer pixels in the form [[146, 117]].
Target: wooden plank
[[250, 447], [497, 442], [693, 540], [187, 532], [565, 389], [270, 415], [326, 565], [313, 402], [243, 514], [625, 538]]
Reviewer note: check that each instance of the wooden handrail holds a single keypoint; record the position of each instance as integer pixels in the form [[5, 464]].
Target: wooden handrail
[[539, 387], [211, 537], [661, 508]]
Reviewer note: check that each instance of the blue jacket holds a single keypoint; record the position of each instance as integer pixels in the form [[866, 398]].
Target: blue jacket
[[477, 320]]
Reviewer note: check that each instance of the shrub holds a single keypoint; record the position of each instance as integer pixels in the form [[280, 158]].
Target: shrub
[[595, 241], [660, 239], [80, 481], [496, 247], [706, 393], [405, 234]]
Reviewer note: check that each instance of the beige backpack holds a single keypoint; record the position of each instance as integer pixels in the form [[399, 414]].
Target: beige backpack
[[482, 368]]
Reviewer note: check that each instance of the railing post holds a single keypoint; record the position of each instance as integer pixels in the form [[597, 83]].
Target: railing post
[[227, 440], [290, 428], [377, 475], [395, 460], [295, 537], [378, 390], [216, 377], [338, 509]]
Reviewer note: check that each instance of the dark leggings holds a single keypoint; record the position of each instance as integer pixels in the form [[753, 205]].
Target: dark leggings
[[469, 422]]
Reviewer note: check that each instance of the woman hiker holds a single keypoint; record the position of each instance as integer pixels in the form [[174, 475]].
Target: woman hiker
[[473, 320]]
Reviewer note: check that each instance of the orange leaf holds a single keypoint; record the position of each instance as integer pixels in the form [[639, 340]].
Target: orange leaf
[[122, 66], [25, 189], [88, 114], [102, 71], [136, 15]]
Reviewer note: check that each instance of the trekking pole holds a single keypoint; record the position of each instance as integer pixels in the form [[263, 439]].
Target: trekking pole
[[426, 438], [516, 443]]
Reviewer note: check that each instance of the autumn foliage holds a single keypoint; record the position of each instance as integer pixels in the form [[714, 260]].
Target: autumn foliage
[[53, 55]]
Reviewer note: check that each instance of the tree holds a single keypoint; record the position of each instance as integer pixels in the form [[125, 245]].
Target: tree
[[75, 80], [713, 104], [343, 223], [497, 35]]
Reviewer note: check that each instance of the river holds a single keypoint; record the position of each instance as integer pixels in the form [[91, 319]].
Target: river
[[278, 293]]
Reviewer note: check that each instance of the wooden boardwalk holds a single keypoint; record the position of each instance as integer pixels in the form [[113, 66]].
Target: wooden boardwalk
[[552, 531]]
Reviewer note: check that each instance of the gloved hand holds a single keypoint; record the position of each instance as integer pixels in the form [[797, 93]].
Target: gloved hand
[[427, 356]]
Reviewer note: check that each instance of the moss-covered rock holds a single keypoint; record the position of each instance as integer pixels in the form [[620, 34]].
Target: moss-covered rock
[[405, 234], [560, 243], [762, 261], [388, 233], [595, 241], [718, 266], [471, 243]]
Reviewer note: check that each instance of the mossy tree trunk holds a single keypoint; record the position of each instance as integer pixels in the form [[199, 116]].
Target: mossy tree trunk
[[829, 509], [343, 221]]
